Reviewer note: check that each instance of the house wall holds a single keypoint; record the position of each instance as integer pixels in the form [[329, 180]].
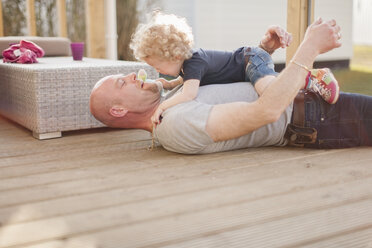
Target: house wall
[[342, 12], [226, 25], [362, 25]]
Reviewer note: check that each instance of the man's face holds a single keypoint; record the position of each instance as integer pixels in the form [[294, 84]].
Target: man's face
[[170, 68], [128, 92]]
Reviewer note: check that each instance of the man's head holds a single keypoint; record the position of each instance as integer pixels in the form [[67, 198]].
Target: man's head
[[123, 101]]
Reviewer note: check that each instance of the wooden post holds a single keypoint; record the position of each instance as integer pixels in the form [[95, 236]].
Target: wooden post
[[111, 30], [300, 14], [31, 21], [95, 27], [62, 23], [1, 20]]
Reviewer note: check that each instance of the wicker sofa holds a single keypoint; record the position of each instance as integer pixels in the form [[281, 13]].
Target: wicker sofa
[[52, 96]]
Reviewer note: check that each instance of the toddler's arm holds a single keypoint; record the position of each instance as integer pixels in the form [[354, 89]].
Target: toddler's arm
[[188, 93], [168, 85]]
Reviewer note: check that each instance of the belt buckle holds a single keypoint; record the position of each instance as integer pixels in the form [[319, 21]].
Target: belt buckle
[[299, 136]]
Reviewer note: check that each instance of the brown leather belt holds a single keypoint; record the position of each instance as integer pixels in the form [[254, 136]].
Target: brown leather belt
[[296, 133], [298, 115]]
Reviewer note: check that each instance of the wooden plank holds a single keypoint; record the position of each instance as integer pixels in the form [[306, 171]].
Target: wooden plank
[[56, 158], [358, 239], [144, 175], [298, 20], [101, 188], [361, 238], [286, 232], [178, 223], [31, 20], [233, 188], [36, 152], [286, 173], [95, 28], [1, 20], [62, 21]]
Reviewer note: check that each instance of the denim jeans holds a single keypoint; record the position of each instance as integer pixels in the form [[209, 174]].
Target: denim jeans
[[347, 123], [260, 64]]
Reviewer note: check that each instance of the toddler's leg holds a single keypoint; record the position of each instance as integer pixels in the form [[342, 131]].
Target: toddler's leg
[[259, 68], [258, 64]]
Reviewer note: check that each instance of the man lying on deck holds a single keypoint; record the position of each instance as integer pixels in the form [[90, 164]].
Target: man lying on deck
[[234, 116]]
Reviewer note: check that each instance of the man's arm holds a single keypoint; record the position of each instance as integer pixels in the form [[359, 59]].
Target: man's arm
[[232, 120], [263, 83]]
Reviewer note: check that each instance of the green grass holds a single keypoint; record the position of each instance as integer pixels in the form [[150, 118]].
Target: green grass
[[358, 78], [362, 56], [354, 81]]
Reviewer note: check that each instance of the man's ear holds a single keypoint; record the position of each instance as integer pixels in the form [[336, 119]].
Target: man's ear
[[117, 111]]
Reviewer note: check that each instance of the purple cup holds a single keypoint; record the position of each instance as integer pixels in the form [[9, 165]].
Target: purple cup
[[77, 50]]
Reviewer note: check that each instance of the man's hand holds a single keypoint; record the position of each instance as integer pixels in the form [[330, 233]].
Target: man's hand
[[274, 38], [322, 36]]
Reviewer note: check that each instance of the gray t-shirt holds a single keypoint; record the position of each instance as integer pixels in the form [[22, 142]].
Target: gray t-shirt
[[183, 127]]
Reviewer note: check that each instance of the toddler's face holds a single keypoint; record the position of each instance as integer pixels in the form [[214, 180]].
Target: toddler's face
[[166, 67]]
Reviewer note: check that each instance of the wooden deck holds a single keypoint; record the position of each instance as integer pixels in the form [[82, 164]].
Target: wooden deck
[[102, 188]]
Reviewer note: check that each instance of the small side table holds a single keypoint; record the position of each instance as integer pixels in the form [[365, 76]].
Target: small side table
[[53, 95]]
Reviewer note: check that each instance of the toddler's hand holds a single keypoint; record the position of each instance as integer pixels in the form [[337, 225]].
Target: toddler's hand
[[274, 38], [165, 83], [155, 118]]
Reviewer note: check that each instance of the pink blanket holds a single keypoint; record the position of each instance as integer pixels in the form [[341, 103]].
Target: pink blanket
[[25, 52]]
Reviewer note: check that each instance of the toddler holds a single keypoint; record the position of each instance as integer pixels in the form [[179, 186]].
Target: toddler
[[165, 43]]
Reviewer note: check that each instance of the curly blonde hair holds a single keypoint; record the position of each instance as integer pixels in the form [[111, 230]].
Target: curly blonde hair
[[167, 37]]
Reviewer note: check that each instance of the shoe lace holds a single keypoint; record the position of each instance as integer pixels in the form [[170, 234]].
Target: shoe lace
[[319, 87]]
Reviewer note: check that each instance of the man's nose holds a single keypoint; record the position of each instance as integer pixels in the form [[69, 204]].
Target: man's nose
[[132, 77]]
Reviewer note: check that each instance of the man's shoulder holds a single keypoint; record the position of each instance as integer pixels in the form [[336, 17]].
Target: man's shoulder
[[185, 111], [183, 127]]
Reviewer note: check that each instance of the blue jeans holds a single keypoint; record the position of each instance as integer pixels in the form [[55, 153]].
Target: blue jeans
[[348, 123], [258, 64]]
